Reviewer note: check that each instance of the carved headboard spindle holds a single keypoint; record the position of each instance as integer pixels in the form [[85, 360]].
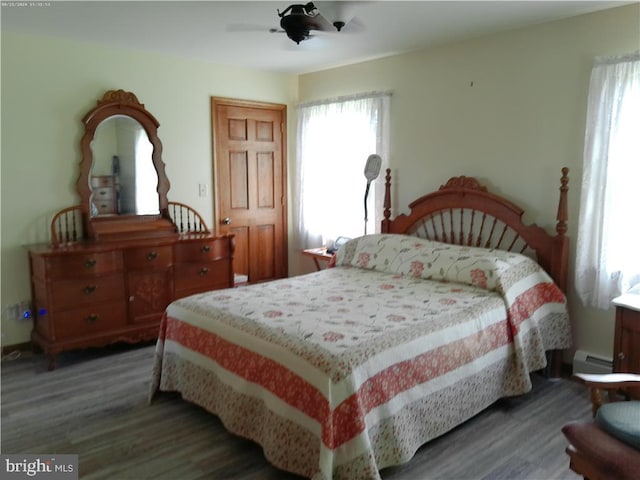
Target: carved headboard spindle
[[562, 216]]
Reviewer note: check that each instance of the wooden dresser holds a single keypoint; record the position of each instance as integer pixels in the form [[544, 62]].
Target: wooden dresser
[[109, 275], [92, 294], [626, 344]]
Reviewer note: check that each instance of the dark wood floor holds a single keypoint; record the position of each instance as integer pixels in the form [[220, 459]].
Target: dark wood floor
[[95, 405]]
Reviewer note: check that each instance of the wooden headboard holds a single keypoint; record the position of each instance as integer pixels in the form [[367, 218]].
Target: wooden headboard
[[463, 212]]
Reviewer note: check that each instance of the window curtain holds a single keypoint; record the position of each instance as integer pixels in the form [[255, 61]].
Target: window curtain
[[608, 248], [334, 139]]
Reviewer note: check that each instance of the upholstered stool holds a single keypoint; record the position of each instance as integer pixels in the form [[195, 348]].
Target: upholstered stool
[[621, 420], [609, 447], [598, 456]]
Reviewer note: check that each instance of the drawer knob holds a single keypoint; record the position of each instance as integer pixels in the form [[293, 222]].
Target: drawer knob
[[152, 256], [203, 271], [91, 319], [90, 263], [206, 249], [89, 289], [621, 356]]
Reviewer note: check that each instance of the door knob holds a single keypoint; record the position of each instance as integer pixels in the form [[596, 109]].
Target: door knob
[[226, 221]]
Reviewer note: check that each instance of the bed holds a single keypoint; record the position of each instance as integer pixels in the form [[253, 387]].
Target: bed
[[340, 373]]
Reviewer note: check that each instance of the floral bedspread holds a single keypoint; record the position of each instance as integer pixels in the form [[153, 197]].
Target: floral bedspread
[[342, 372]]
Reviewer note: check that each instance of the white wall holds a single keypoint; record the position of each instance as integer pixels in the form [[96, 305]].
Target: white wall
[[507, 108], [47, 87]]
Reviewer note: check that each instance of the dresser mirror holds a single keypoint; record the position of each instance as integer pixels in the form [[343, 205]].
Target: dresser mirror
[[124, 180], [122, 183]]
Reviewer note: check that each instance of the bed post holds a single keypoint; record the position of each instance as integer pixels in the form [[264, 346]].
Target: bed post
[[561, 228], [387, 202], [560, 260]]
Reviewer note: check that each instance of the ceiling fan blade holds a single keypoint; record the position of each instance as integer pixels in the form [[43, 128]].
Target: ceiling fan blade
[[355, 25], [341, 14], [246, 27], [320, 23]]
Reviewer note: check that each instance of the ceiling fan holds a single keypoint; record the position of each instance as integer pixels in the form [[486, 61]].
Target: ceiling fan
[[298, 20], [301, 21]]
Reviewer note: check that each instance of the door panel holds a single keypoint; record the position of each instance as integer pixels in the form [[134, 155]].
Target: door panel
[[250, 171], [266, 180], [237, 129], [238, 180], [264, 131], [266, 264]]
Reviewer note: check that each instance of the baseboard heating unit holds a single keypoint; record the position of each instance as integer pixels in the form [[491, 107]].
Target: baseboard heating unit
[[585, 362]]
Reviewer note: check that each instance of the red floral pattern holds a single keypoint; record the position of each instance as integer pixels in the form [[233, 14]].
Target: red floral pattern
[[479, 278], [363, 260], [417, 268], [332, 336]]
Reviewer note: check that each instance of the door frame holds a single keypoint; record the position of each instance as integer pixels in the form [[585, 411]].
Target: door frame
[[215, 101]]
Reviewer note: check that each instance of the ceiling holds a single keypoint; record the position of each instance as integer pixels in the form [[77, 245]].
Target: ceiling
[[237, 33]]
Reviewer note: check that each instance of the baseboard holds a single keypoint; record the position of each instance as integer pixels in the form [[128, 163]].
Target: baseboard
[[566, 370], [18, 347]]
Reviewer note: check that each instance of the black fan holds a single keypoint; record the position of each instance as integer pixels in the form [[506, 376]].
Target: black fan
[[299, 20]]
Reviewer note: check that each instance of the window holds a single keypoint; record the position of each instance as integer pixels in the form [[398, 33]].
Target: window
[[334, 140], [608, 250]]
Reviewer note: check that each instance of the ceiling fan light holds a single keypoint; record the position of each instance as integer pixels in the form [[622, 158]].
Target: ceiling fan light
[[298, 36], [298, 23], [337, 12]]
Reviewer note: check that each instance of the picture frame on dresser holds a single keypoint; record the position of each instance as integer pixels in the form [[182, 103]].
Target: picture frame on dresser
[[110, 271]]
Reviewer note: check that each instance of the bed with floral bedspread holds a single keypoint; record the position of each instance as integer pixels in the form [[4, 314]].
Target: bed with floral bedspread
[[342, 372]]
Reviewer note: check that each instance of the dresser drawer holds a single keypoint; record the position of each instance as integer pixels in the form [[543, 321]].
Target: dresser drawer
[[103, 193], [148, 257], [98, 181], [202, 276], [202, 250], [90, 319], [84, 264], [104, 200], [104, 206], [73, 293]]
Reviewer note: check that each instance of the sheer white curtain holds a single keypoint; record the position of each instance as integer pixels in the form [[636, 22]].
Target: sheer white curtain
[[334, 139], [608, 249]]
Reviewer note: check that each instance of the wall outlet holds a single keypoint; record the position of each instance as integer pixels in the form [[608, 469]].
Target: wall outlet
[[18, 311], [25, 310], [13, 312]]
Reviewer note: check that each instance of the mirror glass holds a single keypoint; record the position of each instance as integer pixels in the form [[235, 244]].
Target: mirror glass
[[123, 179]]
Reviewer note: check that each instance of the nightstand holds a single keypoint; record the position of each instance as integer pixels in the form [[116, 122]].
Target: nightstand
[[626, 344], [319, 255]]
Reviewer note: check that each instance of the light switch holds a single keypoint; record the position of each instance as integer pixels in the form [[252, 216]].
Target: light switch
[[203, 189]]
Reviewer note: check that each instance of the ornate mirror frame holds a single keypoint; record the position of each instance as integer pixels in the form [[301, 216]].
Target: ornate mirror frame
[[118, 103]]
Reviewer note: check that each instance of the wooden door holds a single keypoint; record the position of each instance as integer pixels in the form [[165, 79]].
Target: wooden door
[[251, 176]]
